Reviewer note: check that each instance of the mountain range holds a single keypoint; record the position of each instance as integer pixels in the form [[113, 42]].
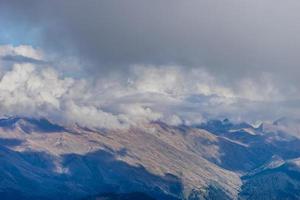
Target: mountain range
[[218, 159]]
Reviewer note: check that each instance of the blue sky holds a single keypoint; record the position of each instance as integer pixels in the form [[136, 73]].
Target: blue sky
[[18, 33]]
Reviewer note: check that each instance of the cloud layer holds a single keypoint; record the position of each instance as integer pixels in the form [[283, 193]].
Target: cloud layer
[[172, 94], [231, 39], [122, 62]]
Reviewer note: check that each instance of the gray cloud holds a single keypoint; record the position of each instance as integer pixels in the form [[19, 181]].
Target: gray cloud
[[168, 93], [22, 59], [249, 47], [237, 37]]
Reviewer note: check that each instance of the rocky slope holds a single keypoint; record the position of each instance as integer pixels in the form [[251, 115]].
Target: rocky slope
[[42, 159], [215, 160]]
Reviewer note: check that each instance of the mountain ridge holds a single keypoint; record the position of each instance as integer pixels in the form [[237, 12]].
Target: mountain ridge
[[159, 160]]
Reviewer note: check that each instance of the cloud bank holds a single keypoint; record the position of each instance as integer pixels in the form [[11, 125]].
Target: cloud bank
[[172, 94], [130, 61]]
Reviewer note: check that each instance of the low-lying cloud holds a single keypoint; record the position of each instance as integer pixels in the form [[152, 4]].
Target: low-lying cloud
[[172, 94]]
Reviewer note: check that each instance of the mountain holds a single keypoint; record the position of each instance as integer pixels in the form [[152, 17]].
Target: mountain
[[39, 159], [215, 160], [29, 124], [126, 196], [223, 126], [281, 181], [283, 126]]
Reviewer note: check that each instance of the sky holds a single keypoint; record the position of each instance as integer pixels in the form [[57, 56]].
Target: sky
[[112, 64]]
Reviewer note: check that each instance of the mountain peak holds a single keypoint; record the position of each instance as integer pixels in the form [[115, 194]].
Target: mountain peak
[[28, 125], [223, 126]]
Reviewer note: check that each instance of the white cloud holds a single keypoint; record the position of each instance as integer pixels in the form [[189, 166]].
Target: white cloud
[[173, 120], [172, 94], [91, 116], [22, 50], [262, 88], [177, 81]]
